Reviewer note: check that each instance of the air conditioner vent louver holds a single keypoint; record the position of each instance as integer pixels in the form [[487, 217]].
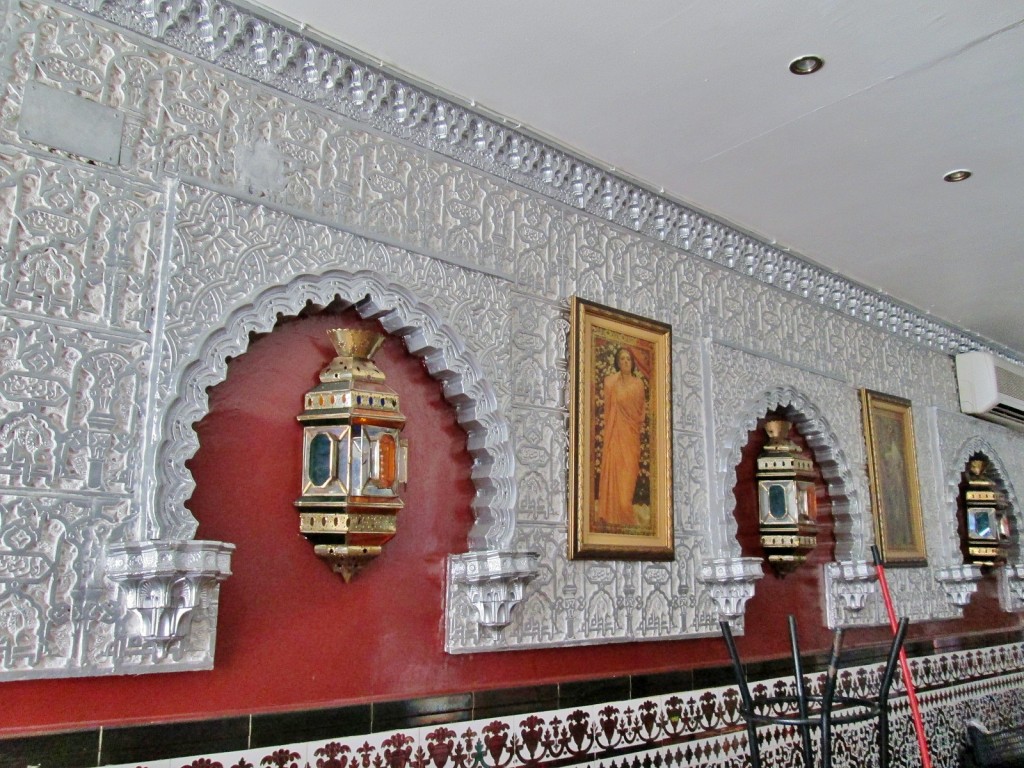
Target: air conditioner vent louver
[[1010, 383], [1008, 412], [991, 388]]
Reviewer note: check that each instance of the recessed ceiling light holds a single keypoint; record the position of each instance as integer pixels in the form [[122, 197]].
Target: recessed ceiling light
[[806, 65], [961, 174]]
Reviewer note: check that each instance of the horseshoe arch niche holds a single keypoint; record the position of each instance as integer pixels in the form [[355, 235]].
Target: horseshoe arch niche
[[850, 579], [492, 575], [960, 579]]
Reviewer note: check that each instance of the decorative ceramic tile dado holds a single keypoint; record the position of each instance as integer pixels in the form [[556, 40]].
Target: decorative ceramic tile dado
[[692, 728]]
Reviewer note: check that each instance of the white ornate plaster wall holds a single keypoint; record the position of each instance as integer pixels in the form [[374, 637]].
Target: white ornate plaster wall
[[289, 172]]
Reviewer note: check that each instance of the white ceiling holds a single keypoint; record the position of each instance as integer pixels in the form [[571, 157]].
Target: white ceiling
[[843, 167]]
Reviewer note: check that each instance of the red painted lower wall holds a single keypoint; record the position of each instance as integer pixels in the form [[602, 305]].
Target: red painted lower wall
[[293, 635]]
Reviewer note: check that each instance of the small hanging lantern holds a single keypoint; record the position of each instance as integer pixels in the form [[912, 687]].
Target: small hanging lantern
[[988, 526], [786, 499], [353, 458]]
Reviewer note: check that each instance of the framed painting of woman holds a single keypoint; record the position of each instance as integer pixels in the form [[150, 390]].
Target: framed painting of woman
[[620, 448]]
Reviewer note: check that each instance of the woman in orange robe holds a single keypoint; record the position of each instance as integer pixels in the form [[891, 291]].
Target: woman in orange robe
[[625, 412]]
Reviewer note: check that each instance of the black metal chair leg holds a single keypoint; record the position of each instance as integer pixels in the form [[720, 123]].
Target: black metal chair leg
[[801, 697], [748, 702], [857, 709]]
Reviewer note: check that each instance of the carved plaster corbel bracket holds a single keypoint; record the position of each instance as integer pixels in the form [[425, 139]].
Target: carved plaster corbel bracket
[[848, 585], [494, 581], [959, 581], [731, 582], [1011, 587], [162, 582]]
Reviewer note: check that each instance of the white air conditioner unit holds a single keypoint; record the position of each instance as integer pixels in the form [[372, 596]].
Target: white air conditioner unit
[[991, 388]]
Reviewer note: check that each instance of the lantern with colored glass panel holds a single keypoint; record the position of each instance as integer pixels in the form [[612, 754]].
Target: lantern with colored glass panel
[[786, 499], [988, 525], [354, 458]]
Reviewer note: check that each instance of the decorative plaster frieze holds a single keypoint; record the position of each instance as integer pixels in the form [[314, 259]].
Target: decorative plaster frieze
[[163, 582], [916, 594], [731, 583], [959, 582], [257, 45], [848, 585], [495, 581]]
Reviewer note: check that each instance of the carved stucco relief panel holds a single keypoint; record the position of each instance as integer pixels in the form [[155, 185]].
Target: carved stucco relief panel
[[539, 352], [228, 249], [752, 315], [592, 602], [187, 121], [328, 181], [541, 465], [70, 401], [80, 245], [56, 611]]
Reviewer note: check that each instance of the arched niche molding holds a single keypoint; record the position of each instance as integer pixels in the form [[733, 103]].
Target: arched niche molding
[[400, 314], [491, 574], [731, 576], [959, 579]]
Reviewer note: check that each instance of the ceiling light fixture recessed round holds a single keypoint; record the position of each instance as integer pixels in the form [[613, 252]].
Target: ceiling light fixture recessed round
[[961, 174], [806, 65]]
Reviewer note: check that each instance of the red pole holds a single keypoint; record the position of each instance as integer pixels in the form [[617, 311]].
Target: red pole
[[908, 681]]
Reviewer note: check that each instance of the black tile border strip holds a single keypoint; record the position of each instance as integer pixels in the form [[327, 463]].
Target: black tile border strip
[[272, 729], [120, 744], [73, 749], [139, 743]]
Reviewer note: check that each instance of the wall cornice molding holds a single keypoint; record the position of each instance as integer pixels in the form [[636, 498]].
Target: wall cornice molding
[[280, 54]]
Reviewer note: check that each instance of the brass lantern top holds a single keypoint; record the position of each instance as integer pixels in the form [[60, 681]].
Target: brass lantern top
[[355, 350], [781, 457], [352, 385], [981, 489]]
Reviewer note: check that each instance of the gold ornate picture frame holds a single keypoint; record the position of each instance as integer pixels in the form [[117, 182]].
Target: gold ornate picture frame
[[892, 474], [620, 448]]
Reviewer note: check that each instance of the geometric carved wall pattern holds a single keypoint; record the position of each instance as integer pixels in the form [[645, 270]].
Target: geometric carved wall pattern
[[243, 190]]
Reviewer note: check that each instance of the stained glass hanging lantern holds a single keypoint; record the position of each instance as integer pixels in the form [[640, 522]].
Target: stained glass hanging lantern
[[988, 525], [786, 499], [354, 458]]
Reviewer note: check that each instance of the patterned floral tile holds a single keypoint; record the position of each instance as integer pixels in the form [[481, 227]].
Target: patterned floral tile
[[288, 756], [686, 729], [390, 748]]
